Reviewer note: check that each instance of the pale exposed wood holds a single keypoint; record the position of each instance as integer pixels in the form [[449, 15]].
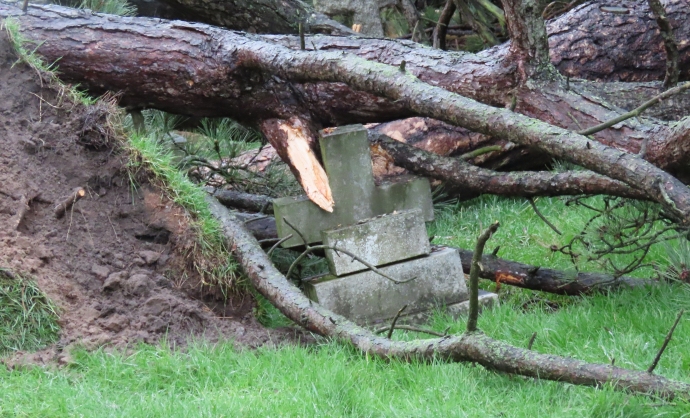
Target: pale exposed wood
[[67, 204], [312, 176]]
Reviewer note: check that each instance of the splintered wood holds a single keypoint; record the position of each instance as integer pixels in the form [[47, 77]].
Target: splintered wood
[[312, 176]]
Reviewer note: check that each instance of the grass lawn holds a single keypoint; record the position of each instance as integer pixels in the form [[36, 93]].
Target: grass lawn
[[334, 380]]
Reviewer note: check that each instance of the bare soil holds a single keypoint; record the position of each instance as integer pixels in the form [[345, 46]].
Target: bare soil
[[114, 264]]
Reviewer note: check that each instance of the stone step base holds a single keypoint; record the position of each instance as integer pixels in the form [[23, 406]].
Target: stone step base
[[367, 297]]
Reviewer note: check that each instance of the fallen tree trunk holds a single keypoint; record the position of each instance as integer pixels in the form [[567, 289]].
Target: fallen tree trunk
[[470, 347], [603, 54], [487, 77], [207, 71]]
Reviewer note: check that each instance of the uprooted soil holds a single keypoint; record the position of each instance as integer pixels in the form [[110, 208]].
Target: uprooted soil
[[115, 263]]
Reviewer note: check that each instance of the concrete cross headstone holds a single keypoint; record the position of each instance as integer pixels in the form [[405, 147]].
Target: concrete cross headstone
[[347, 161], [383, 226]]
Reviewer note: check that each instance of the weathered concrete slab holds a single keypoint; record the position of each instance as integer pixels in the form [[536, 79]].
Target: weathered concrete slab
[[347, 161], [382, 240], [367, 297], [456, 310]]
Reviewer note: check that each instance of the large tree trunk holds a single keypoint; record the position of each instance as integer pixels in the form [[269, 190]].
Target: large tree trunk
[[585, 42], [488, 77], [255, 16], [196, 69]]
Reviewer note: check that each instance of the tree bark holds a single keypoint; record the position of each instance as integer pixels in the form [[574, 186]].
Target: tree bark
[[547, 280], [193, 68], [257, 16], [469, 347], [485, 77], [465, 179], [585, 42]]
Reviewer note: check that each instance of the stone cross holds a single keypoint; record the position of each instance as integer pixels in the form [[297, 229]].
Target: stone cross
[[346, 159]]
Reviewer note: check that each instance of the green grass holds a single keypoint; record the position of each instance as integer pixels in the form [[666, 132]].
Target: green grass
[[334, 380], [522, 236], [45, 71], [28, 319]]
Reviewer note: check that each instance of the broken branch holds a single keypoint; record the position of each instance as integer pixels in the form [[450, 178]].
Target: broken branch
[[665, 344], [395, 319], [474, 276], [473, 347], [67, 203], [637, 111]]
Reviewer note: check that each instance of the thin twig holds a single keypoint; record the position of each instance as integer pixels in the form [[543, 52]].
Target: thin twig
[[474, 276], [113, 226], [666, 340], [636, 112], [304, 240], [531, 340], [282, 240], [258, 218], [672, 70], [480, 151], [395, 319], [410, 328], [543, 218], [311, 249]]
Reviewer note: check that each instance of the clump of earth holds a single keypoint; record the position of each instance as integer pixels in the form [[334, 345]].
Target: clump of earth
[[116, 264]]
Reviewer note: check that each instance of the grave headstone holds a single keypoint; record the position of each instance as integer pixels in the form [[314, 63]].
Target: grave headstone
[[382, 226], [347, 161]]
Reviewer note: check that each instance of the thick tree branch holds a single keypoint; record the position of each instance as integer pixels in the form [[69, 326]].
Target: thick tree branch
[[474, 347], [243, 75], [467, 179]]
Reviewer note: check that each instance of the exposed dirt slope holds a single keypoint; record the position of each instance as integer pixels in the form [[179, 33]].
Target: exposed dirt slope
[[109, 264]]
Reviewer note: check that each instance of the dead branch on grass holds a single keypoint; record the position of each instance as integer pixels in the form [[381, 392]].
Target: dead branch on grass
[[471, 347]]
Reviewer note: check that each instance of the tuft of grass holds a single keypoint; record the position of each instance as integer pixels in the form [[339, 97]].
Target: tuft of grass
[[46, 72], [28, 319], [148, 152], [112, 7]]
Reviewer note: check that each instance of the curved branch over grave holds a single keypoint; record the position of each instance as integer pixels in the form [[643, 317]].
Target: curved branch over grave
[[473, 347], [465, 178], [219, 72]]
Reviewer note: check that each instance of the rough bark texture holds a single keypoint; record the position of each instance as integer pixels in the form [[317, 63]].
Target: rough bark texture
[[465, 179], [484, 77], [226, 73], [589, 43], [584, 43], [544, 279], [473, 347], [258, 16]]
